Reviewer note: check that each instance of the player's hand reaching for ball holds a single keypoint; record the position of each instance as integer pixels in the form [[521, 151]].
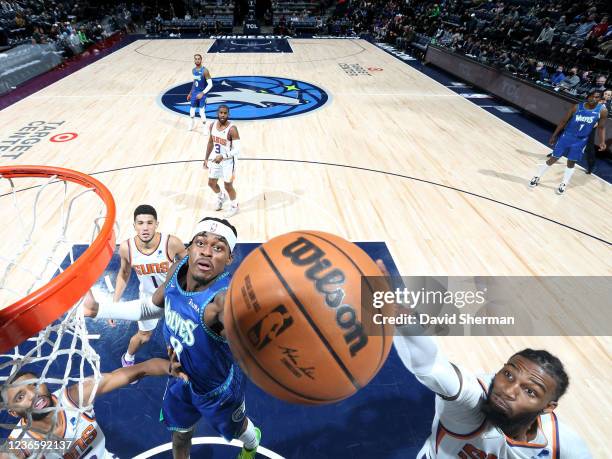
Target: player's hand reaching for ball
[[176, 369]]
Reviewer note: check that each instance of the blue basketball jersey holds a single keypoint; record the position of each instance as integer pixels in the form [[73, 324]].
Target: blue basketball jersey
[[204, 355], [199, 80], [583, 121]]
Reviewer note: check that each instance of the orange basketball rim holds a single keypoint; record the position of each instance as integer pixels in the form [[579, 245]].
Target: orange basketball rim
[[42, 307]]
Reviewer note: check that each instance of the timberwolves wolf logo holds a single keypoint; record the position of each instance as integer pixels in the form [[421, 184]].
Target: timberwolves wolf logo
[[251, 97]]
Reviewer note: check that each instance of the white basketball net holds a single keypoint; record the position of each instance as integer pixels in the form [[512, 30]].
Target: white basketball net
[[60, 355]]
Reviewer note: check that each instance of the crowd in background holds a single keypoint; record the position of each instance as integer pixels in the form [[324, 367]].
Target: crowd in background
[[560, 43], [69, 24]]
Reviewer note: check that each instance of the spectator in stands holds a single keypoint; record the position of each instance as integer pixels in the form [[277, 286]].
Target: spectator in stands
[[558, 76], [571, 80], [579, 35], [538, 72], [607, 99], [586, 83], [600, 83], [600, 29], [546, 35]]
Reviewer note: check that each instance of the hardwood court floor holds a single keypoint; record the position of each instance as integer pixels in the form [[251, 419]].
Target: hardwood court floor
[[394, 156]]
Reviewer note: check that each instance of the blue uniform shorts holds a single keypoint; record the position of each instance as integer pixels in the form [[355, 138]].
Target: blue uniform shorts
[[223, 408], [194, 99], [572, 147]]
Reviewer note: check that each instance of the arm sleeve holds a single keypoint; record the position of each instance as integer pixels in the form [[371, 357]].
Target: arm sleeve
[[459, 395], [209, 85], [421, 356], [130, 310]]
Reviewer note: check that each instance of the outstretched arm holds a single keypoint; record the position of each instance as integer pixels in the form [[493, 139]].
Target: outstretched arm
[[421, 356], [118, 378], [150, 308]]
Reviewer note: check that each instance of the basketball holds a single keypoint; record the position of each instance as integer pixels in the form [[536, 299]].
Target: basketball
[[294, 320]]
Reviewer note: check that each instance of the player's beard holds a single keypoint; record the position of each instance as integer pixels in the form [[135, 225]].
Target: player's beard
[[506, 422], [503, 421]]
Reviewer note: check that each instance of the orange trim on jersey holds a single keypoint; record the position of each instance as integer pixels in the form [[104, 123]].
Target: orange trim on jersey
[[467, 436], [526, 444], [556, 454], [439, 436], [73, 403], [152, 251], [168, 249]]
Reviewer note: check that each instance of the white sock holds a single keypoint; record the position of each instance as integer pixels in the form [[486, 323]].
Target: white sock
[[234, 203], [129, 356], [249, 437], [541, 169], [203, 114], [192, 112], [567, 175]]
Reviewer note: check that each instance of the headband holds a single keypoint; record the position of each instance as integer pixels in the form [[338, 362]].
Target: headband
[[218, 228]]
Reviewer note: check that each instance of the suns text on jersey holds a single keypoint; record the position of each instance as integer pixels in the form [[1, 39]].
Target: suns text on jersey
[[152, 268]]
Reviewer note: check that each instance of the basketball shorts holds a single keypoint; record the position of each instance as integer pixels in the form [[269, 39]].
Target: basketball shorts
[[226, 169], [146, 325], [223, 408], [194, 99], [572, 147]]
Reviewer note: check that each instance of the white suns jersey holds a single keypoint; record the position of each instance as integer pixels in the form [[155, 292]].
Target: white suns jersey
[[151, 269], [81, 429], [477, 439], [221, 142]]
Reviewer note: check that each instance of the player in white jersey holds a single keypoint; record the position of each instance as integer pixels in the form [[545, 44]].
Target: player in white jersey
[[509, 415], [84, 438], [224, 140], [149, 254]]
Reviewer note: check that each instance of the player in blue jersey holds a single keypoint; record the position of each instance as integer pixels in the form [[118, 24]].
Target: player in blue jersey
[[202, 83], [208, 383], [577, 125]]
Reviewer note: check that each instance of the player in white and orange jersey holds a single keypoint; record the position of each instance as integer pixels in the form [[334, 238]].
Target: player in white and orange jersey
[[149, 254], [224, 140], [43, 436], [509, 415]]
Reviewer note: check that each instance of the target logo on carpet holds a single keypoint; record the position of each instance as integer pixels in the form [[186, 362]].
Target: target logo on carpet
[[251, 97], [64, 137], [26, 137]]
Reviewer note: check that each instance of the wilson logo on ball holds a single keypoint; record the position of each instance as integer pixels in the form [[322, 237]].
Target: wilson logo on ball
[[269, 327], [303, 252]]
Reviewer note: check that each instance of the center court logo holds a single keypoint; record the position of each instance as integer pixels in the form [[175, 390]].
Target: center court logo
[[251, 97]]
